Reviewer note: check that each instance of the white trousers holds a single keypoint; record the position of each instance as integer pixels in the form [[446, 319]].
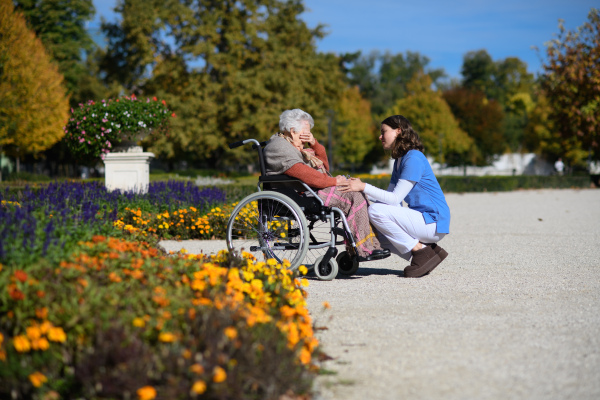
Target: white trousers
[[400, 229]]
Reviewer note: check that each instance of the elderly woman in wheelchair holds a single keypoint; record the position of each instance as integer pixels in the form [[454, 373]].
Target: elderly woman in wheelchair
[[299, 213]]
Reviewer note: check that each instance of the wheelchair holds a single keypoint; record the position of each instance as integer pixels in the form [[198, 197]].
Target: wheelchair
[[286, 220]]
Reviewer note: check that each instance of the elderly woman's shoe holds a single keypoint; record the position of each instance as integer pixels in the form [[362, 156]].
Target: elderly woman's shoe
[[378, 254], [423, 261]]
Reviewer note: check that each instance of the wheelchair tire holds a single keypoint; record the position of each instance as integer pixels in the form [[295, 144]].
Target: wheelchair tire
[[347, 264], [326, 272], [269, 223]]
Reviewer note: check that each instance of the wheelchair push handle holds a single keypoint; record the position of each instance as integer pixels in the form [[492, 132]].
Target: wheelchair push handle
[[242, 142]]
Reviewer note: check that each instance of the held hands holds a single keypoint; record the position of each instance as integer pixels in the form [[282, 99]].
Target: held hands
[[340, 179], [351, 185]]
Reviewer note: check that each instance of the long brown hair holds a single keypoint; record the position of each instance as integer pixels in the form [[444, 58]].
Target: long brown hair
[[407, 139]]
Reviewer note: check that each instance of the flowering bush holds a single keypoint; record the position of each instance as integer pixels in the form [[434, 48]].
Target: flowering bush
[[95, 128], [119, 320]]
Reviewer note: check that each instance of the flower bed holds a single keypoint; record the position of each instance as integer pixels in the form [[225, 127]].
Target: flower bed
[[49, 221], [117, 320], [87, 315]]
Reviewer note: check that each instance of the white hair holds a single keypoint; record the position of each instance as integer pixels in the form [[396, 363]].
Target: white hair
[[293, 119]]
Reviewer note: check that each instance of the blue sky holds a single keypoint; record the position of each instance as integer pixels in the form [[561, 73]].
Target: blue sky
[[441, 30]]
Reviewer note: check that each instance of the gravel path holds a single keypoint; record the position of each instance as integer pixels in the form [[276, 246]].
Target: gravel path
[[513, 312]]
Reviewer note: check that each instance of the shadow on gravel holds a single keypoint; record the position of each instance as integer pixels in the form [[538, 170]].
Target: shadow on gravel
[[362, 272]]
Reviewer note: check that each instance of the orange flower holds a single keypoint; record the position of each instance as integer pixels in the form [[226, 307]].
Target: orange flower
[[197, 369], [21, 275], [219, 375], [199, 387], [231, 332], [21, 344], [146, 393], [16, 294], [33, 332], [166, 337], [41, 313], [305, 356], [40, 344], [57, 334], [326, 305], [38, 379]]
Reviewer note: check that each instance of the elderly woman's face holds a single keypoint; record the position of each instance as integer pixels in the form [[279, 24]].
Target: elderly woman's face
[[296, 134]]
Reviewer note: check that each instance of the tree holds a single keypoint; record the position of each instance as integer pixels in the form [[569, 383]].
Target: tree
[[382, 78], [432, 118], [33, 101], [61, 26], [478, 71], [481, 119], [353, 130], [571, 83], [231, 69]]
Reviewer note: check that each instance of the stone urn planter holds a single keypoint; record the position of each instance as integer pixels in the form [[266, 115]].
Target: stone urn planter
[[111, 130], [127, 168]]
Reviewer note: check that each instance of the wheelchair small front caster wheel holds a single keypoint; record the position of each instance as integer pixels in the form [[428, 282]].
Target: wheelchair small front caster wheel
[[347, 264], [326, 272]]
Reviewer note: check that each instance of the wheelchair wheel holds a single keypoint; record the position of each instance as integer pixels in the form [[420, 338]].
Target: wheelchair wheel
[[326, 272], [269, 223], [347, 264]]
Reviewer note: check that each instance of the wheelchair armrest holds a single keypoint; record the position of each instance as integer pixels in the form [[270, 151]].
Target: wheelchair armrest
[[277, 178]]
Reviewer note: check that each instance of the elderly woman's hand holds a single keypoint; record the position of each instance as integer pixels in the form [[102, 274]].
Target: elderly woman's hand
[[351, 185], [307, 137], [340, 179]]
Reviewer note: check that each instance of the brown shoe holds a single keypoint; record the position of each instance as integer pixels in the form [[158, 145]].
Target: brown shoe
[[438, 250], [423, 262]]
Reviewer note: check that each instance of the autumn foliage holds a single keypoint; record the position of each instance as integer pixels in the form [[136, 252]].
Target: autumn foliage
[[572, 86], [33, 101]]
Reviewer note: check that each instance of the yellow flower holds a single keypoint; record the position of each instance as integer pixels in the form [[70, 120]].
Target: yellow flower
[[303, 270], [57, 334], [1, 339], [146, 393], [199, 387], [38, 379], [139, 322], [21, 344], [166, 337], [219, 375], [231, 332], [304, 282]]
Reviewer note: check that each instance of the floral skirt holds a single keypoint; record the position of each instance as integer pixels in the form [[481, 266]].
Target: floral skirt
[[355, 207]]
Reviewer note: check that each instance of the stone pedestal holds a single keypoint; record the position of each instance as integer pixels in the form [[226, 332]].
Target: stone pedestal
[[128, 171]]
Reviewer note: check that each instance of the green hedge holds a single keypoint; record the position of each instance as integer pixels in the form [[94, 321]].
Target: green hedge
[[458, 184]]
